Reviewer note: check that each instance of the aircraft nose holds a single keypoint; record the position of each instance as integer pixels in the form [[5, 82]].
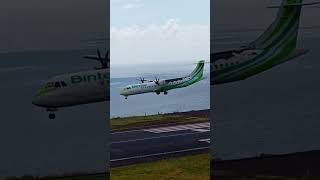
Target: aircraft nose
[[36, 100], [123, 92], [39, 99]]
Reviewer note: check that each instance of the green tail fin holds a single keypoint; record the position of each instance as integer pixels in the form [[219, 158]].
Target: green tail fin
[[198, 71], [286, 22]]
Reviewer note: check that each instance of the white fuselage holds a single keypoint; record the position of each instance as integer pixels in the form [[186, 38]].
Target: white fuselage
[[140, 88]]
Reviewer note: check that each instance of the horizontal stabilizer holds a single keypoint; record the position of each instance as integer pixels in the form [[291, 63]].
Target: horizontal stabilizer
[[297, 53], [295, 4]]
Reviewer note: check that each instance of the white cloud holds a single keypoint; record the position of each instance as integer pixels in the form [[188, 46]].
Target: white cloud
[[128, 4], [167, 42], [133, 5]]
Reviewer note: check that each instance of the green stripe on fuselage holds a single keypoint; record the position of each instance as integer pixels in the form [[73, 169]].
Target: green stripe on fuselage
[[195, 76]]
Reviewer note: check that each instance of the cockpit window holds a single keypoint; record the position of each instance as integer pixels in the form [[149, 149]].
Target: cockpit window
[[128, 88], [50, 85], [56, 84]]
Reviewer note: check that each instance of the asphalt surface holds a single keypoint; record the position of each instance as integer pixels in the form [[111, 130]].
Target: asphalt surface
[[146, 145]]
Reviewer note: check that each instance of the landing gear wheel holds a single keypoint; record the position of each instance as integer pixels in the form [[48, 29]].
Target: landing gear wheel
[[126, 97], [158, 93], [52, 116], [165, 93]]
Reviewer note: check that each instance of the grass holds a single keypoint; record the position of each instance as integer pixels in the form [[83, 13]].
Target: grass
[[225, 175], [142, 121], [263, 178], [195, 167], [92, 177]]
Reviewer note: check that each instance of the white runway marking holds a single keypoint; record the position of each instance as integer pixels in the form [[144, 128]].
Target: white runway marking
[[201, 130], [195, 127], [157, 137], [205, 140]]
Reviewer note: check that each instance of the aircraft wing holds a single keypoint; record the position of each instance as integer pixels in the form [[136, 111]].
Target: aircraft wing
[[230, 53], [226, 54], [92, 57]]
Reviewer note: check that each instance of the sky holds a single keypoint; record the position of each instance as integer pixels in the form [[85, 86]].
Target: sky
[[166, 31]]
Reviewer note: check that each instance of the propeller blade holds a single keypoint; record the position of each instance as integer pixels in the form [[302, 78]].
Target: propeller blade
[[107, 56], [104, 61], [99, 54], [157, 80], [141, 79]]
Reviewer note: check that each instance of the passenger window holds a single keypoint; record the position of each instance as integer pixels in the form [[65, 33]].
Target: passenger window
[[57, 84]]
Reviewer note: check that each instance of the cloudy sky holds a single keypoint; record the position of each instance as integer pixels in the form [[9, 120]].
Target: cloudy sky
[[144, 31]]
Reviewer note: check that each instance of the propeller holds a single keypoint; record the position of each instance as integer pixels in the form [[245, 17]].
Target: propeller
[[156, 80], [103, 60], [142, 79]]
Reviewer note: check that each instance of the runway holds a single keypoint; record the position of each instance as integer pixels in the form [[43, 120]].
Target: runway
[[145, 145]]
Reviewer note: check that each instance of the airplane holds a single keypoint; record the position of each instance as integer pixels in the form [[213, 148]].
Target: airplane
[[75, 88], [157, 86], [274, 46]]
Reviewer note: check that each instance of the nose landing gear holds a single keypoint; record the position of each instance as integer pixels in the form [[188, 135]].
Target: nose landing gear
[[51, 114]]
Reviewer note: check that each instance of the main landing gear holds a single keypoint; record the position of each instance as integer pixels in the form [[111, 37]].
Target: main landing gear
[[126, 97], [165, 93], [51, 114]]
